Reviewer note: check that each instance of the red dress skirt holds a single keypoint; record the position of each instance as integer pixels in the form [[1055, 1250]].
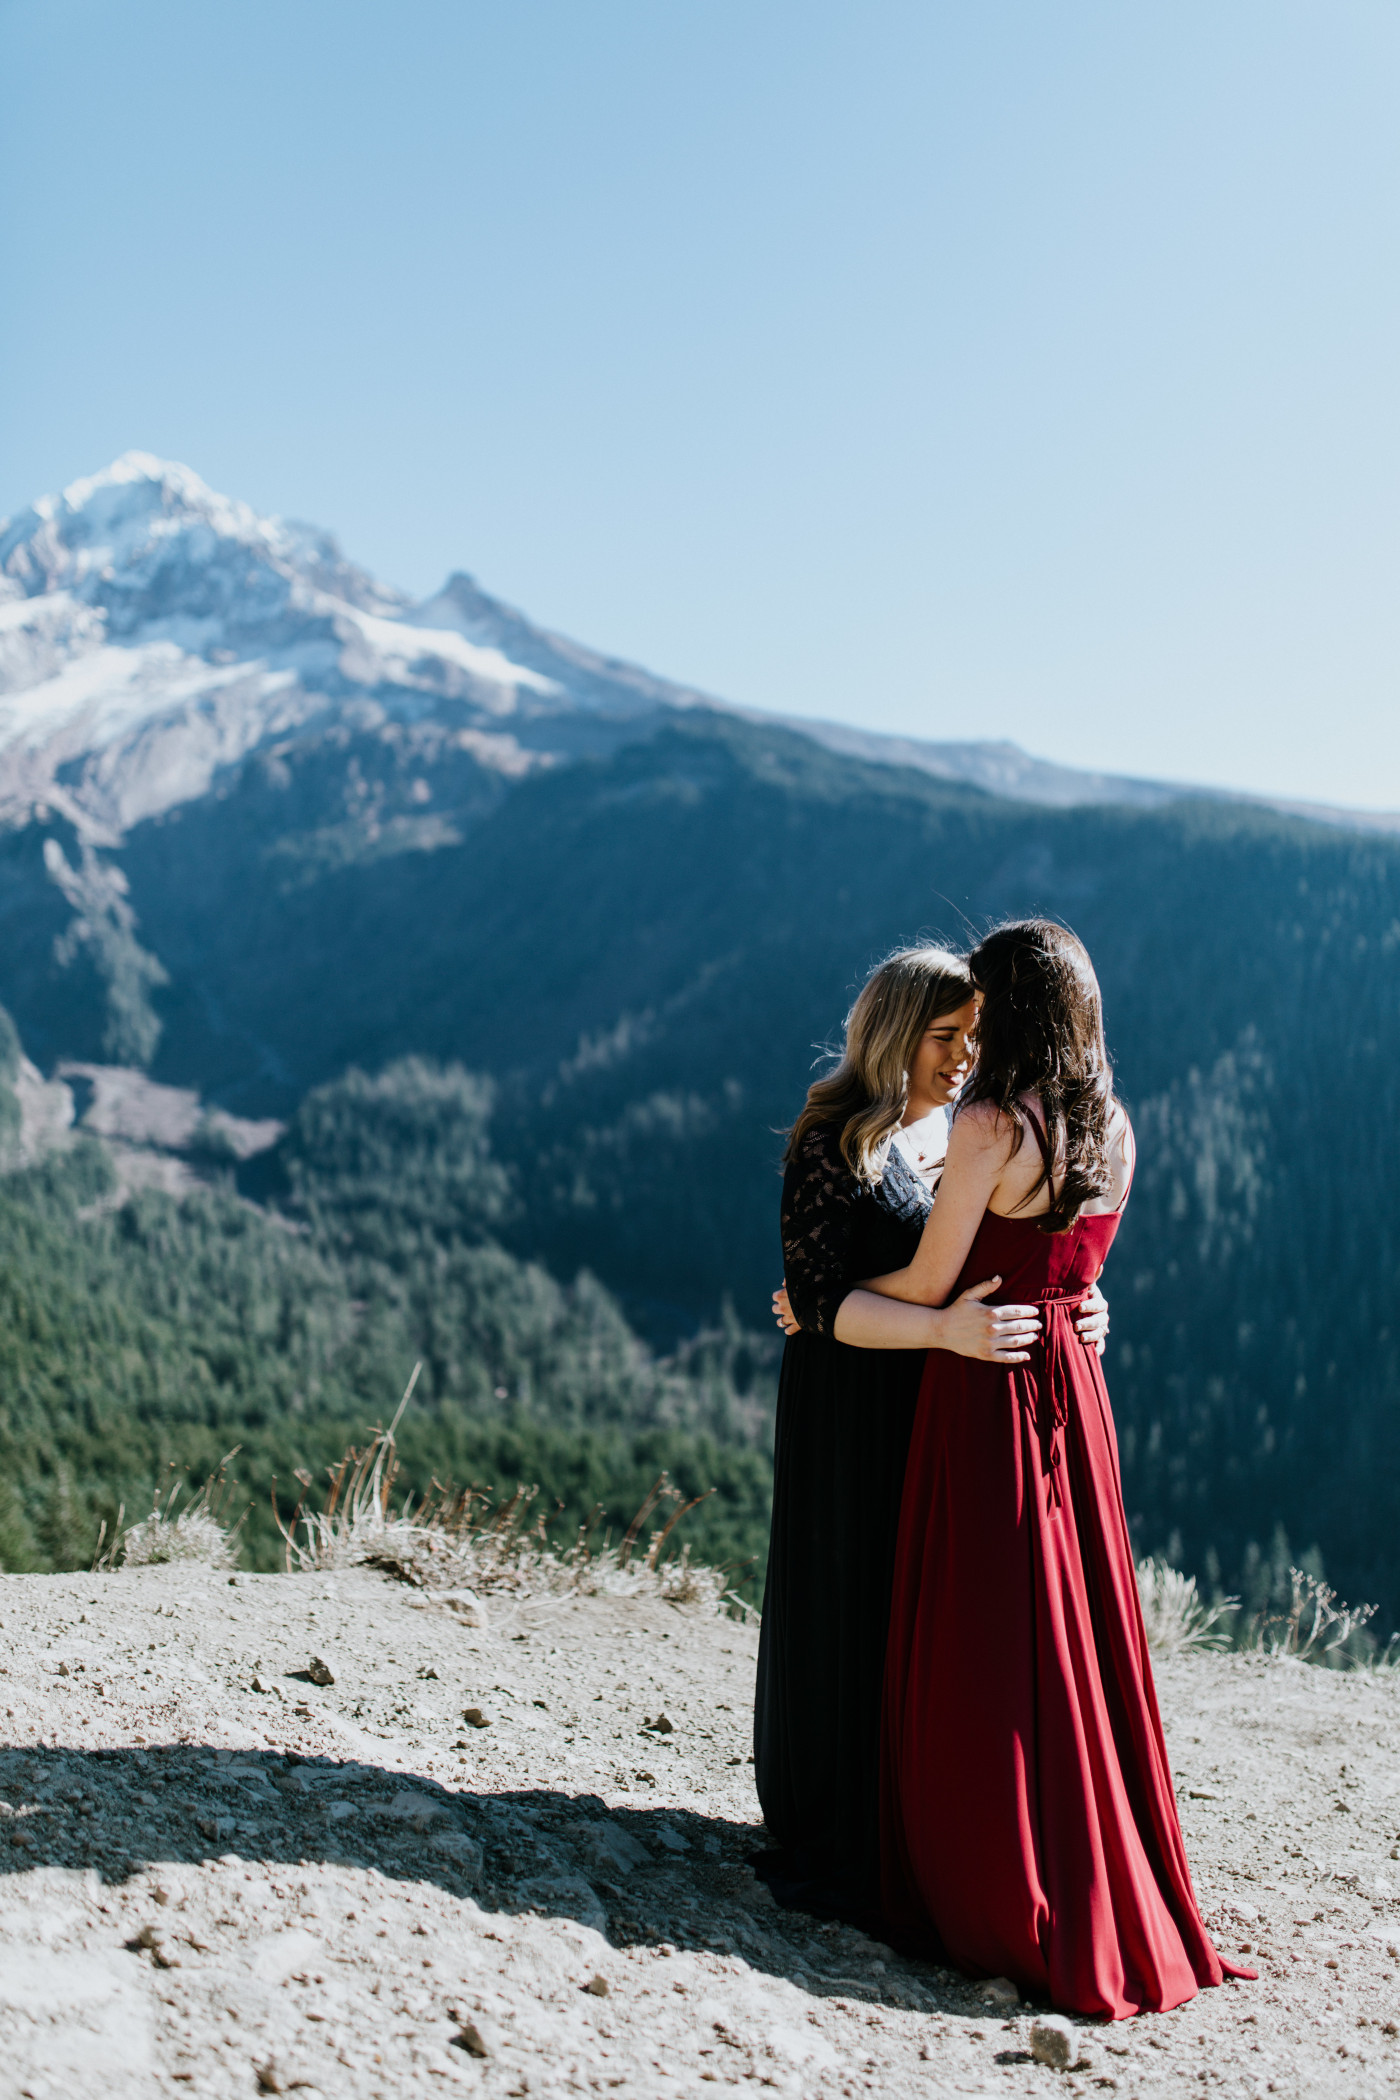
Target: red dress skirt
[[1028, 1822]]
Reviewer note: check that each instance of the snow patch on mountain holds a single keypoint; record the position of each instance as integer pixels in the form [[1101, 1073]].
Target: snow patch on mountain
[[153, 632]]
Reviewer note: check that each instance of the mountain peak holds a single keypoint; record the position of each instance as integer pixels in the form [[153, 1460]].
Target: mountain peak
[[133, 467], [154, 632], [109, 535]]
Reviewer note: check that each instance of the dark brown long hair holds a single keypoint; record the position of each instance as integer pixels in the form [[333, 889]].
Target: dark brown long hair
[[867, 1093], [1040, 1031]]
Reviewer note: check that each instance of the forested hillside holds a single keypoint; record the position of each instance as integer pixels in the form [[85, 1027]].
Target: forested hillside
[[157, 1333], [641, 952], [269, 830]]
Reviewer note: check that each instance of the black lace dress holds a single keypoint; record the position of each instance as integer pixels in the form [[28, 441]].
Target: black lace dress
[[844, 1420]]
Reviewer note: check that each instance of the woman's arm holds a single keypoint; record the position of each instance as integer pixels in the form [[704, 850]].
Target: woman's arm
[[818, 1216], [980, 1146], [999, 1334], [867, 1321]]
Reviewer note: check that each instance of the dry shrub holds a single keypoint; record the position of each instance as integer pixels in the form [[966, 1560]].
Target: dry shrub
[[1175, 1614], [454, 1539], [1314, 1625], [198, 1534]]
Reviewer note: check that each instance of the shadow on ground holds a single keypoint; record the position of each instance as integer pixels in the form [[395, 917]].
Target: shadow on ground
[[643, 1876]]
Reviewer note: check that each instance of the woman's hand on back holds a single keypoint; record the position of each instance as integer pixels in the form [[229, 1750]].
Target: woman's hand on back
[[1091, 1321], [995, 1334]]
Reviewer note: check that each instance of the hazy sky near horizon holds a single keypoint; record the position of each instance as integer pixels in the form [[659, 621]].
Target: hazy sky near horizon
[[1015, 368]]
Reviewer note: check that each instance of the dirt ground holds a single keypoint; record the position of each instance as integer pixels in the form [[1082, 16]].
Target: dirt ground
[[347, 1888]]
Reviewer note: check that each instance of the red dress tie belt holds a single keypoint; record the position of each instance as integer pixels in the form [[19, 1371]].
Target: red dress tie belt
[[1045, 1396]]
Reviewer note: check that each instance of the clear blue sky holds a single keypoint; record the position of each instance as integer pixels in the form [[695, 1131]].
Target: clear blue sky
[[1021, 368]]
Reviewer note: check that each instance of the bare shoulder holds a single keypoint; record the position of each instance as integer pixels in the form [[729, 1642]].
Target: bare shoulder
[[1122, 1144], [982, 1127], [1121, 1148]]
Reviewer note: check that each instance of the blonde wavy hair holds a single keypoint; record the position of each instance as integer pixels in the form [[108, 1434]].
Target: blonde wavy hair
[[867, 1093]]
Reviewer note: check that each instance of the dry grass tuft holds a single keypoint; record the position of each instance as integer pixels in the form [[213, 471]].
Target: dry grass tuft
[[1315, 1626], [1175, 1614], [197, 1534], [1312, 1624], [455, 1541]]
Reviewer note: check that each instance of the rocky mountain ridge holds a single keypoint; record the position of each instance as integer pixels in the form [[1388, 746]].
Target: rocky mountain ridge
[[153, 633]]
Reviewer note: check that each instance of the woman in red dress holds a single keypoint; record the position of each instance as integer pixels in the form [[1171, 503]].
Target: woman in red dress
[[1029, 1827]]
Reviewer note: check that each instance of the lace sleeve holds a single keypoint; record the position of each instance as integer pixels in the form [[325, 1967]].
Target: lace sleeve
[[819, 1198]]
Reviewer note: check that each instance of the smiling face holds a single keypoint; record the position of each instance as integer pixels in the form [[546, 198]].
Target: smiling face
[[941, 1063]]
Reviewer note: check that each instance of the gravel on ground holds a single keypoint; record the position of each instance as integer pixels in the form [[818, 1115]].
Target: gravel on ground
[[509, 1857]]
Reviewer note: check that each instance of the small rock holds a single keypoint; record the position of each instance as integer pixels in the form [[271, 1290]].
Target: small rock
[[464, 1852], [999, 1990], [270, 2079], [597, 1987], [475, 1718], [660, 1726], [1202, 1793], [152, 1938], [260, 1683], [418, 1809], [319, 1672], [564, 1896], [467, 1606], [612, 1849], [469, 2038], [1053, 2042]]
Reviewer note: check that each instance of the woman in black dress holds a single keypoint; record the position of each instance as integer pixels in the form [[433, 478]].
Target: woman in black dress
[[862, 1163]]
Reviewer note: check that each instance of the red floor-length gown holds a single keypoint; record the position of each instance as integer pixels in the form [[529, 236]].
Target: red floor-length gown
[[1028, 1821]]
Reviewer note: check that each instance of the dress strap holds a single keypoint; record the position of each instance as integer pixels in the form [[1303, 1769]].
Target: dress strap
[[1038, 1132]]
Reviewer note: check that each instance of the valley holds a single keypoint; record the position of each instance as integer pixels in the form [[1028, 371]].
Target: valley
[[367, 838]]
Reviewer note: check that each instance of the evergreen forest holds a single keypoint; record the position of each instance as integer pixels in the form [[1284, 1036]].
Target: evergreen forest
[[534, 1042]]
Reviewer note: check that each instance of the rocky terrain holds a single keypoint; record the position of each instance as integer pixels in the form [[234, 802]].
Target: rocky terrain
[[507, 1854]]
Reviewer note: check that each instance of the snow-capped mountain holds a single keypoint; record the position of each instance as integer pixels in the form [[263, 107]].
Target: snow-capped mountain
[[153, 631]]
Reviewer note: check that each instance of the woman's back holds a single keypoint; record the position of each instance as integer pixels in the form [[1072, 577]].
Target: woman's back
[[1035, 1267], [1023, 1190]]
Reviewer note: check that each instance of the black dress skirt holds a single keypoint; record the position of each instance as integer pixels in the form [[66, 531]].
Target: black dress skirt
[[844, 1420]]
